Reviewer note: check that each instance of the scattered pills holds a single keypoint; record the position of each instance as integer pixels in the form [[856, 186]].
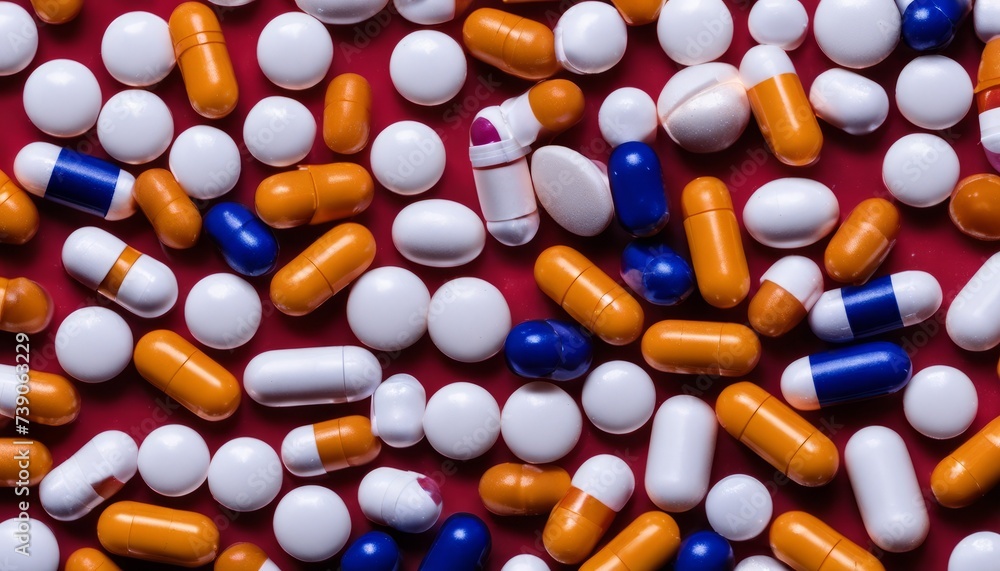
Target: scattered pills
[[920, 170], [695, 31], [462, 421], [873, 27], [574, 190], [173, 460], [94, 473], [468, 320], [405, 501], [387, 308], [279, 131], [791, 213], [782, 23], [541, 423], [311, 523], [407, 158], [137, 50], [135, 126], [979, 550], [294, 51], [940, 402], [397, 411], [222, 311], [704, 108], [848, 101], [590, 37], [933, 92], [626, 114], [205, 161], [62, 98], [245, 474], [93, 344], [618, 397], [424, 54], [16, 21], [438, 233], [739, 507]]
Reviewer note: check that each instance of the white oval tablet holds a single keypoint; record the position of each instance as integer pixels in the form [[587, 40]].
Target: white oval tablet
[[590, 37], [940, 402], [407, 158], [44, 548], [173, 460], [245, 474], [468, 319], [791, 213], [694, 31], [438, 233], [933, 92], [848, 101], [137, 49], [223, 311], [387, 308], [979, 551], [294, 50], [205, 161], [873, 27], [681, 449], [739, 507], [462, 421], [397, 412], [311, 523], [62, 98], [573, 189], [627, 114], [781, 23], [618, 397], [16, 22], [704, 108], [135, 126], [279, 131], [94, 344], [426, 54], [920, 170], [540, 423]]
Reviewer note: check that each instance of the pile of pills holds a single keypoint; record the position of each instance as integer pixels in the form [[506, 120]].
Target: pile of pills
[[714, 312]]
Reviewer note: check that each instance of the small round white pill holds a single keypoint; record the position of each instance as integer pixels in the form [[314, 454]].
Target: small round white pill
[[933, 92], [462, 421], [738, 507], [873, 27], [590, 37], [43, 549], [205, 161], [387, 308], [342, 11], [94, 344], [279, 131], [848, 101], [940, 402], [135, 126], [979, 551], [573, 189], [222, 311], [137, 49], [525, 562], [540, 423], [438, 233], [397, 412], [173, 460], [761, 563], [468, 319], [791, 213], [920, 170], [618, 397], [695, 31], [245, 474], [407, 158], [628, 114], [704, 108], [781, 23], [423, 55], [62, 98], [295, 51], [311, 523], [17, 25]]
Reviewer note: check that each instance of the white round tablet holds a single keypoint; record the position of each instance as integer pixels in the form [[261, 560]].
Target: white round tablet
[[342, 11], [590, 37], [781, 23], [245, 474], [279, 131], [627, 114], [618, 397], [135, 126], [873, 27], [738, 507], [920, 169], [407, 157], [933, 92], [468, 319], [311, 523], [540, 423], [695, 31], [704, 108], [44, 548], [462, 421], [387, 308], [223, 311], [16, 22], [137, 49], [62, 98], [761, 563], [205, 161], [173, 460], [94, 344], [979, 551], [940, 402], [426, 54], [295, 51]]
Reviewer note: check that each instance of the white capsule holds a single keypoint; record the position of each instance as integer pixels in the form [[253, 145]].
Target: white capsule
[[886, 489], [94, 344], [62, 98], [341, 11], [223, 311], [279, 131], [920, 170], [405, 501], [469, 319], [540, 423], [93, 257], [407, 158], [781, 23], [933, 92], [739, 507], [205, 161], [397, 412], [848, 101], [626, 114], [137, 49], [294, 51], [618, 397], [387, 308], [135, 126], [590, 37], [573, 189], [986, 19], [438, 233], [973, 320], [462, 421], [424, 54], [791, 213], [607, 479], [245, 474], [525, 562], [681, 449], [979, 551], [704, 108], [760, 563], [91, 475], [16, 22], [43, 548], [319, 375], [173, 460], [311, 523], [873, 27], [694, 31], [940, 402]]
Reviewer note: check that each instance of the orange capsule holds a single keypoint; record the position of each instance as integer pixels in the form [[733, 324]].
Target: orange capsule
[[720, 265], [863, 241], [347, 113], [243, 557], [20, 458], [90, 559], [158, 534], [174, 217], [57, 11], [807, 544], [324, 447], [18, 215], [638, 12], [187, 375], [975, 206], [327, 266], [523, 489], [53, 400], [25, 306], [777, 434], [647, 544], [203, 60], [521, 47], [701, 348], [314, 194], [589, 295], [788, 290], [971, 471]]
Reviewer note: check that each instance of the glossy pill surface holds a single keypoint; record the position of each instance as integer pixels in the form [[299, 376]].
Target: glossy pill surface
[[788, 290], [701, 348], [347, 110], [22, 458], [405, 501], [18, 214], [438, 233], [294, 51], [969, 472], [705, 551], [25, 306], [247, 245], [93, 344], [848, 101], [521, 47], [940, 402], [807, 544], [720, 265], [173, 460], [791, 213], [135, 126], [863, 241], [54, 400], [656, 272], [136, 49], [931, 24], [739, 507], [522, 489], [845, 375], [158, 534], [646, 544], [976, 551], [541, 423], [314, 194], [373, 551], [462, 421], [205, 161], [387, 308], [933, 92], [975, 206], [627, 114], [783, 23], [574, 34], [223, 311], [324, 447], [311, 523], [62, 98], [228, 479], [704, 108], [90, 559], [57, 11], [43, 543], [397, 411], [203, 59], [175, 219], [873, 27], [94, 473], [463, 542], [693, 31], [971, 320], [573, 189], [920, 170], [244, 556], [468, 320], [548, 349], [317, 375], [681, 450], [637, 189]]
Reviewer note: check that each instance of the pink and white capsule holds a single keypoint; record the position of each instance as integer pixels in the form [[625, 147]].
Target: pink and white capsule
[[681, 448], [91, 475], [403, 500]]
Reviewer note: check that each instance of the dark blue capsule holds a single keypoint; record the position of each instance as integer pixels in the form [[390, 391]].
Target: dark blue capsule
[[931, 24], [462, 544], [637, 189], [657, 273], [373, 551], [548, 349], [705, 551], [247, 244], [850, 374]]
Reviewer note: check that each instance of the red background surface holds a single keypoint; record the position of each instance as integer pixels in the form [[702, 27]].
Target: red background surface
[[849, 165]]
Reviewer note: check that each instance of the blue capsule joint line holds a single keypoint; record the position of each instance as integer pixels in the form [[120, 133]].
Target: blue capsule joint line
[[83, 182]]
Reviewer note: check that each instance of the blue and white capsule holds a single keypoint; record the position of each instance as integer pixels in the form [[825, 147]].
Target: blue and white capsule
[[637, 189], [845, 375], [246, 243], [884, 304], [373, 551], [931, 24], [76, 180], [462, 544], [548, 349], [657, 273]]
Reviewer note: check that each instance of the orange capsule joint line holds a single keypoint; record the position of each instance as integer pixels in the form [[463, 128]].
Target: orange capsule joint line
[[113, 281]]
